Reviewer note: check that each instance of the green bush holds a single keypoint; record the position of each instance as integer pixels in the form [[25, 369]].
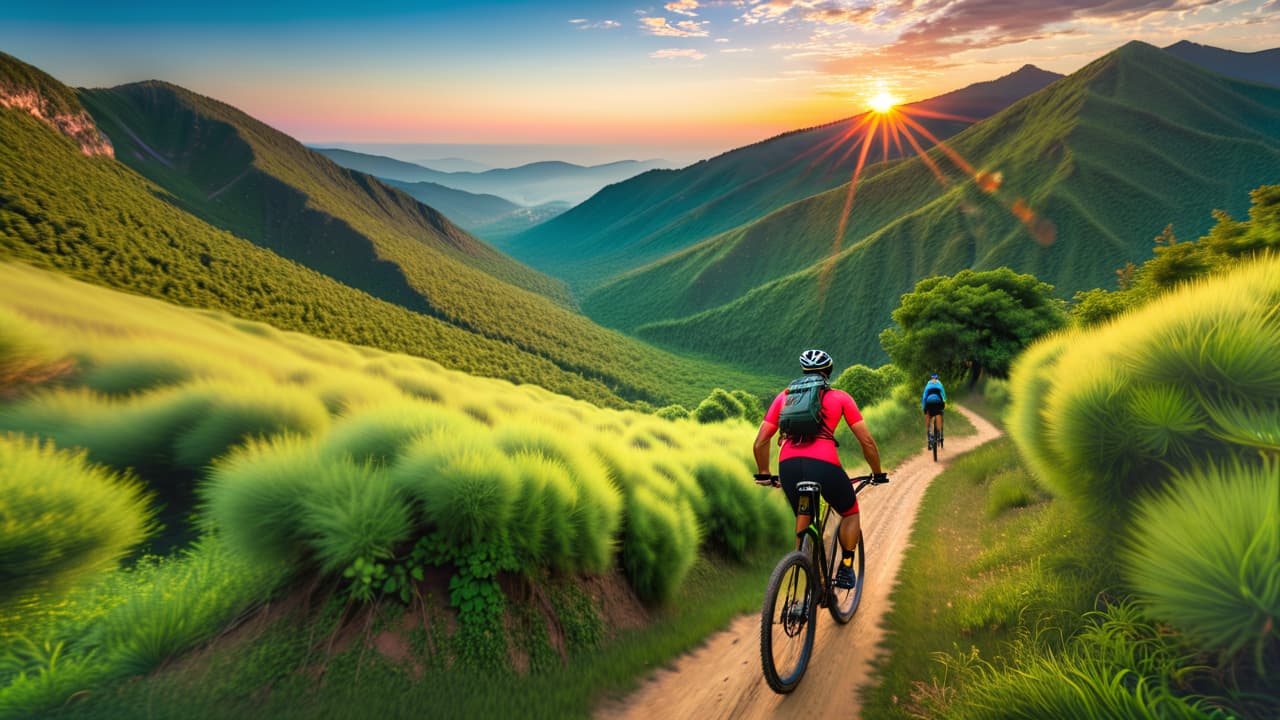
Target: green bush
[[254, 497], [752, 408], [867, 386], [380, 434], [719, 406], [239, 412], [62, 520], [1206, 558], [352, 512], [673, 412]]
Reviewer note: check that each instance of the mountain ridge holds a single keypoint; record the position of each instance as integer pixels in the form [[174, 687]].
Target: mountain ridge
[[664, 211], [1105, 157]]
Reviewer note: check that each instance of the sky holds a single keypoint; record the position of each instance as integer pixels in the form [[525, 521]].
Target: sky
[[680, 80]]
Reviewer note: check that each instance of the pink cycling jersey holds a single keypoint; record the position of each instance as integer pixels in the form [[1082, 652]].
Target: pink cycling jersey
[[835, 405]]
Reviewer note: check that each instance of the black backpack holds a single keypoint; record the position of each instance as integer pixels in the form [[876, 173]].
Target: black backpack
[[801, 419]]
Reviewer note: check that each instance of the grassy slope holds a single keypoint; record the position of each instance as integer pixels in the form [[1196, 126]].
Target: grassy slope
[[248, 178], [660, 212], [1109, 155], [98, 221]]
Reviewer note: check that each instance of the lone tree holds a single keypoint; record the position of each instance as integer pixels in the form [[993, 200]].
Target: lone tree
[[971, 321]]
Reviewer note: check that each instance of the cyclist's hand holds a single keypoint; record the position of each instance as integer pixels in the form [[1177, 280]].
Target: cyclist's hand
[[879, 478], [766, 480]]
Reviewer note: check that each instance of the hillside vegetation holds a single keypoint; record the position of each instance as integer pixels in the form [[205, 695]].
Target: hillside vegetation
[[314, 461], [633, 223], [97, 220], [1093, 165]]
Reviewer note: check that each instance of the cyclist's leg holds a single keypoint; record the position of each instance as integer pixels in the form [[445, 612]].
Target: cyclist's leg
[[790, 472], [838, 491]]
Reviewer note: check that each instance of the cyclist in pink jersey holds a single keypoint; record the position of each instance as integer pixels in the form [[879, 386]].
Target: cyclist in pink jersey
[[816, 459]]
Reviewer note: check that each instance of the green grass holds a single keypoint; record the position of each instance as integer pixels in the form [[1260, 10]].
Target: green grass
[[970, 583], [259, 677]]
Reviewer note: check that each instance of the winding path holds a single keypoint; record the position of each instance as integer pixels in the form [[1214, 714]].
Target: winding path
[[722, 678]]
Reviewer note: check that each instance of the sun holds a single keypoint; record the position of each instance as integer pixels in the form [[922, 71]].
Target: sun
[[883, 102]]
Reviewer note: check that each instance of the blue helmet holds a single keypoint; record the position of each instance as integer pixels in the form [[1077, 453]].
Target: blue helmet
[[934, 376]]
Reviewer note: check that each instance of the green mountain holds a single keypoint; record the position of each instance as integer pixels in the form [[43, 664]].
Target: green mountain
[[1093, 166], [486, 216], [1262, 66], [660, 212], [98, 219], [532, 184]]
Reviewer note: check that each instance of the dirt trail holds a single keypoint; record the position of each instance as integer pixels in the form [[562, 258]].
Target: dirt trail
[[722, 678]]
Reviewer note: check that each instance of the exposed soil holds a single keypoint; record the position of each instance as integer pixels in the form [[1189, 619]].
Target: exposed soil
[[723, 679]]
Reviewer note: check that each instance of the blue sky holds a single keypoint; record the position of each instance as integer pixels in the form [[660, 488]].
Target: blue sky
[[694, 75]]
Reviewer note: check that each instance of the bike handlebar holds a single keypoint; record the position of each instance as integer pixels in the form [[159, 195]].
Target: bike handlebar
[[768, 480]]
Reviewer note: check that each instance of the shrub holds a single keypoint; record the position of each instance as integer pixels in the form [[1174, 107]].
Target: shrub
[[61, 519], [719, 406], [1206, 557], [752, 408], [1109, 415], [352, 512], [867, 386], [238, 412], [378, 435], [673, 412]]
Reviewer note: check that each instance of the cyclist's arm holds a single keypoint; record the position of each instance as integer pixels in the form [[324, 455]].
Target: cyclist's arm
[[923, 396], [869, 449], [761, 447], [943, 390]]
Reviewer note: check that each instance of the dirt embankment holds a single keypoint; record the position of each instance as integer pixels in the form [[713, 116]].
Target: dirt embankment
[[722, 679]]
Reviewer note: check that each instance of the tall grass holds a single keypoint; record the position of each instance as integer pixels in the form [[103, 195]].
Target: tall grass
[[62, 520], [1206, 558], [1116, 667]]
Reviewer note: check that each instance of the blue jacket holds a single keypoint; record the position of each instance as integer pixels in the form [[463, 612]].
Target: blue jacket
[[927, 386]]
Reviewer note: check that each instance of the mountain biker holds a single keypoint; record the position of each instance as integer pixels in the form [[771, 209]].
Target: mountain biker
[[932, 402], [816, 459]]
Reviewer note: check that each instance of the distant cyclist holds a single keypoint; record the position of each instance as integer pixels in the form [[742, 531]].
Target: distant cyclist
[[815, 458], [932, 402]]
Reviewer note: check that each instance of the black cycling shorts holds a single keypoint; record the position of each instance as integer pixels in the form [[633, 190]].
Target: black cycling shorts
[[934, 408], [836, 487]]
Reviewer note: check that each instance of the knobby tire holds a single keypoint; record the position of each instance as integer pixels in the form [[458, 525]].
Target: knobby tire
[[788, 617]]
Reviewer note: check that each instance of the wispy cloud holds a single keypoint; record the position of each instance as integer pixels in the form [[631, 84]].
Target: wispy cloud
[[735, 50], [683, 28], [674, 54], [584, 24], [683, 7]]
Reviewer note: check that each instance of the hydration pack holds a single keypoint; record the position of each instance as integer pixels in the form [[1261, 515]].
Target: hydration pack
[[801, 420]]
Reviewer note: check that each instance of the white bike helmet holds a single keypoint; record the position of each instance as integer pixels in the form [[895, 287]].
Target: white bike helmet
[[815, 361]]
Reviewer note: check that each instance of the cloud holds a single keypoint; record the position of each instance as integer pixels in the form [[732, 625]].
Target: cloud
[[735, 50], [583, 24], [673, 54], [683, 28], [683, 7]]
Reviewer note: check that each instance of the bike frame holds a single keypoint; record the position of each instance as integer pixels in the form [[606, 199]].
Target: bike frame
[[811, 498]]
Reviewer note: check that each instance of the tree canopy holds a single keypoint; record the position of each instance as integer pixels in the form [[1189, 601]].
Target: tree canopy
[[970, 322]]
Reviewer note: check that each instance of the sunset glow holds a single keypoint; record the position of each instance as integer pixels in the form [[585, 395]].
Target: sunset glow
[[670, 76], [883, 102]]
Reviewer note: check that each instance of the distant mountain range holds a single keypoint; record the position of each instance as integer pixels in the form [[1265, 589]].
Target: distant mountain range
[[488, 217], [1262, 66], [528, 185], [195, 202], [660, 212], [1094, 166]]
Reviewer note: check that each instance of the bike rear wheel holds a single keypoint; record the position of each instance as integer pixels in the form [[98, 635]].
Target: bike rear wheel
[[933, 445], [844, 601], [787, 622]]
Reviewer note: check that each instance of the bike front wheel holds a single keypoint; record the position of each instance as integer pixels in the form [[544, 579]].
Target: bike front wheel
[[787, 622]]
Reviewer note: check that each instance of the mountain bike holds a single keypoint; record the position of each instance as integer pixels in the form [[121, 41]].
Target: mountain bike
[[934, 441], [803, 582]]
